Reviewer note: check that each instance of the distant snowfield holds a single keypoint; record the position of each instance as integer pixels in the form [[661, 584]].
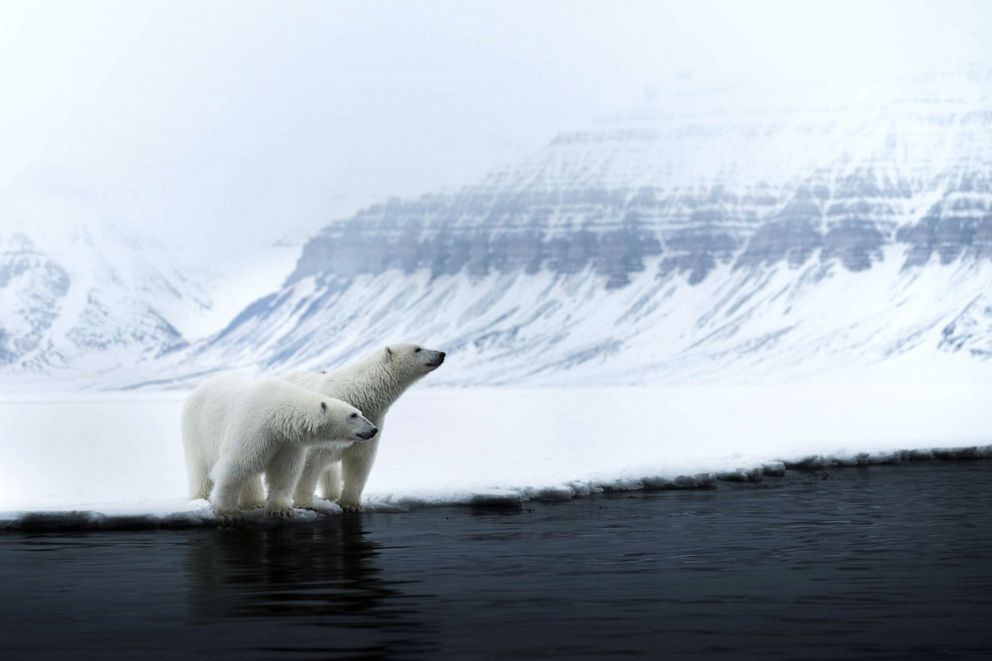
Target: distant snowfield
[[121, 454]]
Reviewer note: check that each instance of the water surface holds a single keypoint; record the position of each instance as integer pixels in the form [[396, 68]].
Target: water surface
[[878, 563]]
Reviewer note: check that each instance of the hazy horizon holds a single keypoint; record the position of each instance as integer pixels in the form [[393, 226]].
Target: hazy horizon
[[246, 121]]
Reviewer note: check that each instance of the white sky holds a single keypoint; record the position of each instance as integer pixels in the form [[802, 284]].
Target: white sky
[[247, 120]]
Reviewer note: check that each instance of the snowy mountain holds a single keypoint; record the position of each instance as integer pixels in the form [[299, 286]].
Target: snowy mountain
[[741, 233], [699, 236], [80, 304], [66, 300]]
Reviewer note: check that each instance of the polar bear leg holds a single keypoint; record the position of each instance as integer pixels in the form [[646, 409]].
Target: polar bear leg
[[330, 482], [307, 484], [197, 471], [282, 474], [228, 482], [252, 494], [356, 464], [199, 481]]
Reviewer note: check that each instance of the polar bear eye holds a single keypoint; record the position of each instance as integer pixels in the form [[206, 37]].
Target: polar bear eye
[[417, 350], [354, 415], [323, 406]]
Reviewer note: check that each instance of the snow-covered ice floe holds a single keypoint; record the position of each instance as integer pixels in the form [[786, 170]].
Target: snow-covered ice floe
[[112, 460]]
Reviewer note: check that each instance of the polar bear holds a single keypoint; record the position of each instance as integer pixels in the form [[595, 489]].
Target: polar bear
[[372, 384], [235, 428]]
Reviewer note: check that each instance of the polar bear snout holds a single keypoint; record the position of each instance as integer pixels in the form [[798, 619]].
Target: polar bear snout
[[437, 360], [362, 427], [366, 435]]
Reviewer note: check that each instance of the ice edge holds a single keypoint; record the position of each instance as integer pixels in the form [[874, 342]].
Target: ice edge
[[85, 520]]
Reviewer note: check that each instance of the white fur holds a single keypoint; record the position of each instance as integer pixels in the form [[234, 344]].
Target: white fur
[[235, 428], [371, 384]]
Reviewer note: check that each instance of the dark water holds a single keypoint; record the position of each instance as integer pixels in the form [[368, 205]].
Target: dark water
[[883, 563]]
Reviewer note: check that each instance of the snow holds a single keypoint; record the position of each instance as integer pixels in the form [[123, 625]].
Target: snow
[[93, 456], [126, 295], [811, 324]]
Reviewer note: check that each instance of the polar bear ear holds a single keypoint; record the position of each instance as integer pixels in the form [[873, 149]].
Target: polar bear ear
[[323, 407], [389, 352]]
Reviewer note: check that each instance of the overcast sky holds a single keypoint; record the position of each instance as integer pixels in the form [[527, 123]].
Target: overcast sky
[[241, 119]]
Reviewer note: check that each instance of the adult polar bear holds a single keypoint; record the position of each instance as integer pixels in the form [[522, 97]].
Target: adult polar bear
[[372, 385], [235, 428]]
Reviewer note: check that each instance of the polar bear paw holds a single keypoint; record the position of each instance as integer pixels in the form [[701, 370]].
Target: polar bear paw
[[321, 506], [230, 518], [349, 507], [280, 512]]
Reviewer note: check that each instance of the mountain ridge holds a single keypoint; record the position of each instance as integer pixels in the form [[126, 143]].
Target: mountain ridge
[[693, 238]]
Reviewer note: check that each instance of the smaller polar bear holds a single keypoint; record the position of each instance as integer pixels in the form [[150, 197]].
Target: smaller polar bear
[[235, 428]]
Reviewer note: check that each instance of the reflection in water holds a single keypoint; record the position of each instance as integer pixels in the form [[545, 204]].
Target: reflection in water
[[324, 578]]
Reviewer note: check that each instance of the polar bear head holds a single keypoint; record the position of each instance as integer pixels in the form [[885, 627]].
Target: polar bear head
[[411, 361], [342, 422], [304, 416]]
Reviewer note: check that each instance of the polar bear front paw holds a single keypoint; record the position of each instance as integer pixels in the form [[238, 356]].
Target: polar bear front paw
[[280, 512], [230, 518], [349, 507]]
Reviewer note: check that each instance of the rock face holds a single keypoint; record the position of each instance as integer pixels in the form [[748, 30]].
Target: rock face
[[439, 234], [701, 189], [971, 330], [791, 234], [959, 222]]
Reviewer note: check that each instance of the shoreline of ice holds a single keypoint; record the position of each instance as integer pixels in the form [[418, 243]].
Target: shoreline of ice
[[179, 514], [121, 457]]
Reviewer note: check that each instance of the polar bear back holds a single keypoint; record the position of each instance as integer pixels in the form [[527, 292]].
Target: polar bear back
[[225, 408], [351, 384], [309, 380]]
